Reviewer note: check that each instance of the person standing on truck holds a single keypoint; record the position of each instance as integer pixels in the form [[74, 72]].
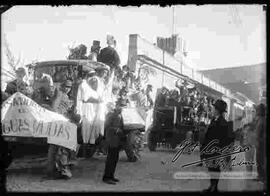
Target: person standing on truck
[[162, 97], [43, 87], [85, 109], [19, 84], [58, 156], [88, 100], [109, 55], [95, 48], [95, 99], [218, 129]]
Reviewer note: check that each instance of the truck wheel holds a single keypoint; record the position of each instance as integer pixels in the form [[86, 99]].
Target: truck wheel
[[151, 143]]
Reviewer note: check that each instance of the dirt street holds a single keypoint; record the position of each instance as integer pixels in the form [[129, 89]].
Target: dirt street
[[153, 173]]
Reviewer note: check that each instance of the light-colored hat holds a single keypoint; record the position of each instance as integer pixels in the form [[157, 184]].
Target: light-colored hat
[[110, 39], [67, 83]]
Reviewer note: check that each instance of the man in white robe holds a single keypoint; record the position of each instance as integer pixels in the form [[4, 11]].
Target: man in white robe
[[87, 100]]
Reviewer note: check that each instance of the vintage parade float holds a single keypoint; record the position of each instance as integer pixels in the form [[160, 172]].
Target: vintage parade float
[[32, 119]]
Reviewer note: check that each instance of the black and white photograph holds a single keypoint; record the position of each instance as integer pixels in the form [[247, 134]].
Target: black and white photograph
[[107, 98]]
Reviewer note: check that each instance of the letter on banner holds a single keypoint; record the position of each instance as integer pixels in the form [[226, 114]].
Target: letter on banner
[[36, 122]]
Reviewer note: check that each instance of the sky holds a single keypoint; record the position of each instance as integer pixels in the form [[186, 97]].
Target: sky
[[218, 36]]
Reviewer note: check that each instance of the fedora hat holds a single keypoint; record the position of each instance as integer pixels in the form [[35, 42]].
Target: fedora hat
[[220, 105]]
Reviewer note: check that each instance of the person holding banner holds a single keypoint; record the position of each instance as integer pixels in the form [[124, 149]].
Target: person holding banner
[[58, 156]]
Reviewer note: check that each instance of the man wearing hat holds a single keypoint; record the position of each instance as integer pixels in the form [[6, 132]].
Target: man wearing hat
[[109, 55], [114, 138], [217, 130], [19, 84], [61, 103], [94, 50]]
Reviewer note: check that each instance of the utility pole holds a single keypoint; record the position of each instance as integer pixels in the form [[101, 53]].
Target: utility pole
[[173, 21]]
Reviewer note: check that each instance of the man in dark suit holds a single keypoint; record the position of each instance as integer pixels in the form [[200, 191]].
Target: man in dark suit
[[218, 129], [114, 137], [109, 55]]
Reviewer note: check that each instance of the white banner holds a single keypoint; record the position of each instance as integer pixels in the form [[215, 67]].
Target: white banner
[[22, 117]]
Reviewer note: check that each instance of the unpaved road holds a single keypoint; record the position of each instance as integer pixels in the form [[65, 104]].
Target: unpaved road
[[153, 173]]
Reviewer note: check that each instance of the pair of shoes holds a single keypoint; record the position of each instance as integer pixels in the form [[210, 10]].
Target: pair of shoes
[[61, 177], [55, 176], [115, 180], [109, 181], [64, 177], [211, 189]]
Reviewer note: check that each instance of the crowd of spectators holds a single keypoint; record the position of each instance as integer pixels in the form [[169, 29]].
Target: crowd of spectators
[[192, 105]]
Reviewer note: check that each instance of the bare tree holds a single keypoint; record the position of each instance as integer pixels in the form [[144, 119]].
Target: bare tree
[[12, 61]]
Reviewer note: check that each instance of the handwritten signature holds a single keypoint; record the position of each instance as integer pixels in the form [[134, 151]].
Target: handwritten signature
[[187, 146]]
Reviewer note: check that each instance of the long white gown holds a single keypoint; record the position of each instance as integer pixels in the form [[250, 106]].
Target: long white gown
[[88, 112], [103, 91]]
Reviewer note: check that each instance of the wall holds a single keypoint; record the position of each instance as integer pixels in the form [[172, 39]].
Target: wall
[[140, 46]]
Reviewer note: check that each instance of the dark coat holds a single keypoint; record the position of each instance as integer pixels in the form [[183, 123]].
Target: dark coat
[[114, 129], [218, 129], [260, 128], [110, 57], [61, 103], [13, 87], [161, 100]]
